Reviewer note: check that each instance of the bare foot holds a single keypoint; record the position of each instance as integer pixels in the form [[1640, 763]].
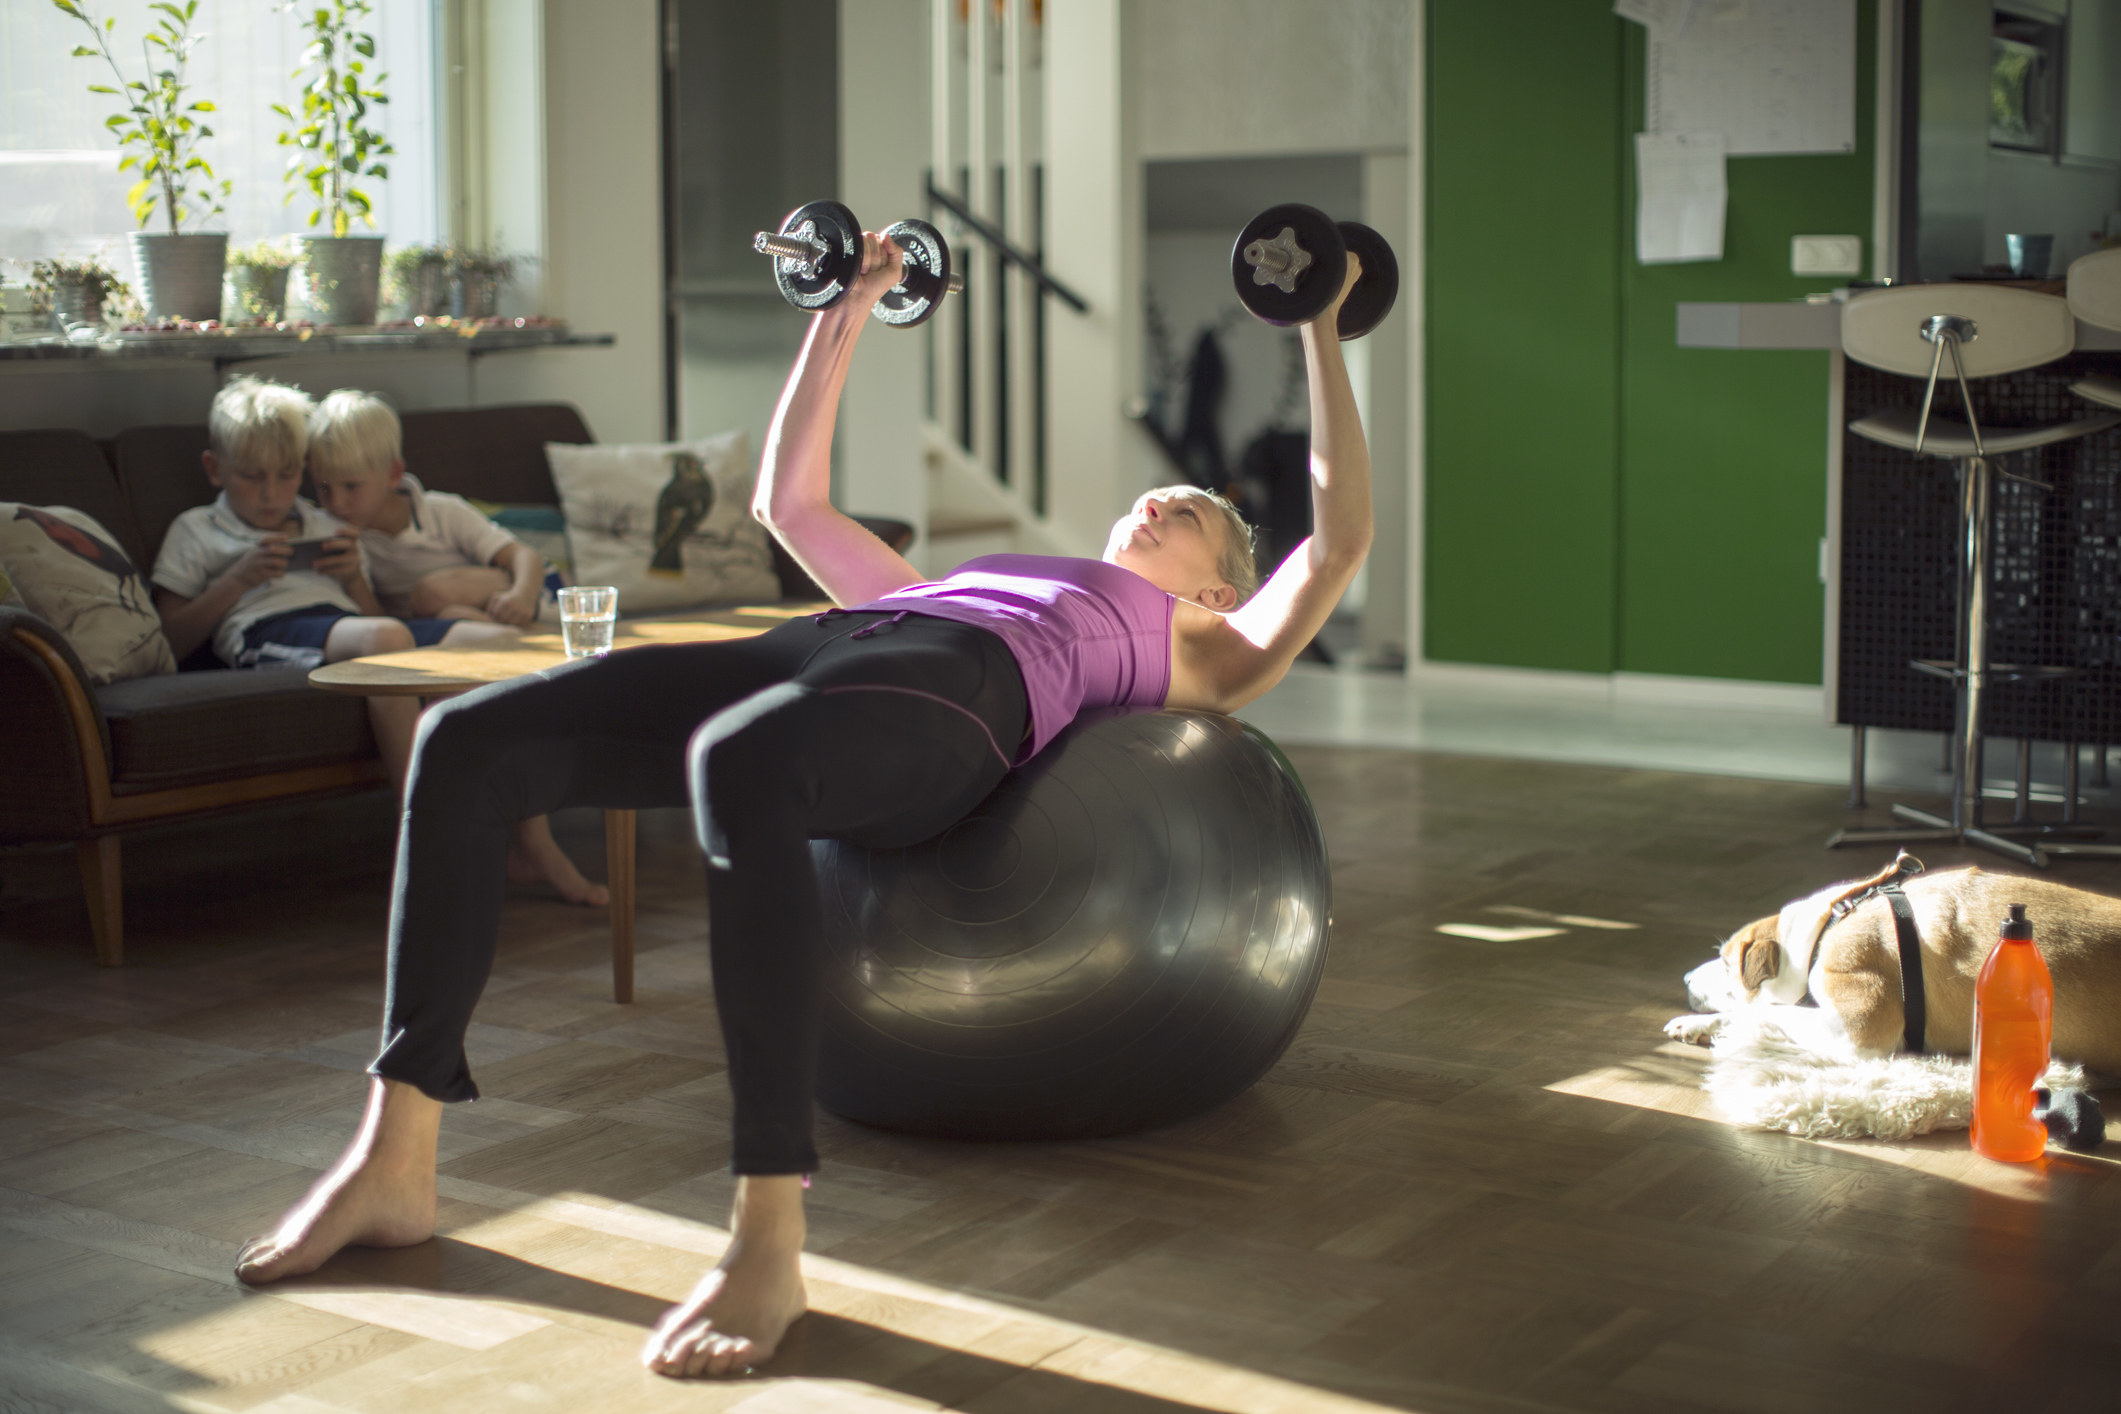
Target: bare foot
[[381, 1193], [534, 857], [736, 1316]]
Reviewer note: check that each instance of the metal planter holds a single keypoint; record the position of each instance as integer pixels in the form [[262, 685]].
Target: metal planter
[[341, 277], [258, 292], [180, 276]]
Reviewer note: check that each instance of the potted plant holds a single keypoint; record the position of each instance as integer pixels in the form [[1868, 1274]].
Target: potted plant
[[333, 148], [75, 289], [180, 273], [257, 280], [417, 278], [479, 277]]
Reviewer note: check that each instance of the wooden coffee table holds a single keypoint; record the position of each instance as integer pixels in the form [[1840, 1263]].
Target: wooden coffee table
[[445, 672]]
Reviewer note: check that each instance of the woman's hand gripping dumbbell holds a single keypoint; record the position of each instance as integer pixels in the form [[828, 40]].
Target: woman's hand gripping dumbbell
[[817, 256], [1290, 262]]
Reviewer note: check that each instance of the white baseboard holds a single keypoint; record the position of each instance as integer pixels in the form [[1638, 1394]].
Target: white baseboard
[[1640, 689], [1532, 682], [1668, 690]]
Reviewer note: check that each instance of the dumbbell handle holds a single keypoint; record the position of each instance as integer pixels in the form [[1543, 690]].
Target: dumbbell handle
[[1267, 257], [789, 248], [786, 247]]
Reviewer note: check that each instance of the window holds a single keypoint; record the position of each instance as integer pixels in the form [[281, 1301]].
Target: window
[[60, 188]]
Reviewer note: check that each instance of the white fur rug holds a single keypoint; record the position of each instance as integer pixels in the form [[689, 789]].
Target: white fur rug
[[1760, 1077]]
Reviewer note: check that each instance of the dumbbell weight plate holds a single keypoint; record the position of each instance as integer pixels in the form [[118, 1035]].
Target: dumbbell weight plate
[[1312, 232], [825, 284], [926, 279], [1375, 288]]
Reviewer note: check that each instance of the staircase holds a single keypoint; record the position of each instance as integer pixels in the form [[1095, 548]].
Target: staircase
[[984, 442]]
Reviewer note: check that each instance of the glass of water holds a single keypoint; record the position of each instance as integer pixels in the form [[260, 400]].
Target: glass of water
[[587, 614]]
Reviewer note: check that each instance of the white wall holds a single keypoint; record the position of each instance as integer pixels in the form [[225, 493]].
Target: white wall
[[1093, 184], [1248, 78], [2035, 194], [603, 264], [1267, 76], [1385, 634], [883, 67]]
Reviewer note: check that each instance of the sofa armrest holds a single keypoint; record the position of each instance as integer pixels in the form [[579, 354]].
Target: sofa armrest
[[799, 586], [58, 773]]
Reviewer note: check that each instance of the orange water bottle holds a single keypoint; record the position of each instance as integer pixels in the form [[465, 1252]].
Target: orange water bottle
[[2014, 1010]]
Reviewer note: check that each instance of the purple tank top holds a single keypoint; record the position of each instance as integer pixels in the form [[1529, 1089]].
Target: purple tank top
[[1084, 633]]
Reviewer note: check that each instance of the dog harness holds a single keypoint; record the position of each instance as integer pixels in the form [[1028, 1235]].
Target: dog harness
[[1914, 1007]]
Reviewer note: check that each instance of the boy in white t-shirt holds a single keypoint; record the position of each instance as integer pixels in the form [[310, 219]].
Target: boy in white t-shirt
[[430, 553], [266, 577]]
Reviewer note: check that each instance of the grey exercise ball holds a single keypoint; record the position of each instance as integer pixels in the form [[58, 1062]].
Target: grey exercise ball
[[1128, 931]]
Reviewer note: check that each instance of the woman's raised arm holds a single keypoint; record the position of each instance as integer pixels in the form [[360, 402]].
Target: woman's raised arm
[[793, 498], [1252, 649]]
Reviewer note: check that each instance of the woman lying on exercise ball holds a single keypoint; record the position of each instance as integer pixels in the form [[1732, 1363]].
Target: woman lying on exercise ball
[[883, 722]]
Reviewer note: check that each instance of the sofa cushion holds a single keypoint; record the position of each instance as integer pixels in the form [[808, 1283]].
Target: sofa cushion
[[669, 524], [162, 477], [72, 574], [490, 453], [189, 728], [64, 468]]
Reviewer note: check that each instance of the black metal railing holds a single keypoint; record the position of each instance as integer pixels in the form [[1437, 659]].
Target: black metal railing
[[1003, 253]]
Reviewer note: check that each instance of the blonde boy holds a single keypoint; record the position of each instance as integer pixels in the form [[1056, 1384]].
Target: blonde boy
[[432, 554], [264, 575], [429, 553]]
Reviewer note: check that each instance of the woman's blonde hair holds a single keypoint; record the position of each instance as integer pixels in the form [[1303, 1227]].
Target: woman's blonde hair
[[354, 431], [1239, 562], [253, 420]]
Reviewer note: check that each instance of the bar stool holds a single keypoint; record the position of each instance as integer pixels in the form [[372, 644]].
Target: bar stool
[[1984, 330], [2095, 298]]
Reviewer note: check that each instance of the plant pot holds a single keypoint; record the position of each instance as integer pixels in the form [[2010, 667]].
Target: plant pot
[[341, 276], [258, 292], [180, 276], [475, 296], [427, 291], [76, 304]]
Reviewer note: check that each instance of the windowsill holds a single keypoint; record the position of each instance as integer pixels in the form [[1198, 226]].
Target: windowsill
[[222, 346]]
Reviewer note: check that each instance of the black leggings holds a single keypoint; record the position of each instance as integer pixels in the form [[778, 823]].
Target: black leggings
[[877, 728]]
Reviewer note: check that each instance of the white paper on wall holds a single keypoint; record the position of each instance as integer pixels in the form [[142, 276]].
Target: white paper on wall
[[1773, 76], [1679, 197]]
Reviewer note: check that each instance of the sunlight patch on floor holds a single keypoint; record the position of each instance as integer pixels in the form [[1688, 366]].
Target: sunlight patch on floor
[[1668, 1080], [915, 1309]]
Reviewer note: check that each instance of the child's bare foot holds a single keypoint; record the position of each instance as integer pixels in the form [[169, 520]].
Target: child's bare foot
[[736, 1316], [534, 856], [381, 1193]]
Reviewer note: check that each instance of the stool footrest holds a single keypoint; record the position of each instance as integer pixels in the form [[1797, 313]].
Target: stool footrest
[[2000, 672]]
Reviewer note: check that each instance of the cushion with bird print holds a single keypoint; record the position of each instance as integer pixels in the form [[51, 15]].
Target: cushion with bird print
[[668, 525], [71, 573]]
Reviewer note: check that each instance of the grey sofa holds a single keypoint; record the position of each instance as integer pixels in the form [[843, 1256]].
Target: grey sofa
[[86, 763]]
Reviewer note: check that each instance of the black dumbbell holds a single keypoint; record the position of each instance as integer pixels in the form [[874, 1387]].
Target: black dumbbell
[[1290, 260], [818, 253]]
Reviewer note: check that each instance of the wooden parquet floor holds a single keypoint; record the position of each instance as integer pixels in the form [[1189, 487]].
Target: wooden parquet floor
[[1480, 1181]]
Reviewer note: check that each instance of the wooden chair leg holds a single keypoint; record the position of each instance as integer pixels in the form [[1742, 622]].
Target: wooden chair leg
[[618, 877], [104, 884]]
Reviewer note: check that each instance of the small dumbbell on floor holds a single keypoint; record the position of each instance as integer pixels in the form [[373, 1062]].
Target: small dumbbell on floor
[[1289, 262], [817, 254]]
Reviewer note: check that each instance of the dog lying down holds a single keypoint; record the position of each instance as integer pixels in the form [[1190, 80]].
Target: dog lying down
[[1850, 966]]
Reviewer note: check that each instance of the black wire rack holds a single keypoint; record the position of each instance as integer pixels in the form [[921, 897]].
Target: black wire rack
[[2056, 597]]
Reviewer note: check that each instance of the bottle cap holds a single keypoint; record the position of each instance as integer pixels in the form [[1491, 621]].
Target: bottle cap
[[2015, 926]]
